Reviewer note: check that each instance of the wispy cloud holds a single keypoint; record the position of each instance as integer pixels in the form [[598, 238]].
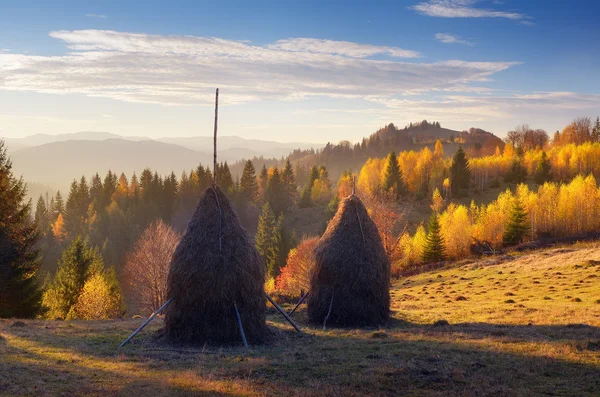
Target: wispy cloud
[[95, 15], [452, 39], [183, 70], [463, 9], [345, 48]]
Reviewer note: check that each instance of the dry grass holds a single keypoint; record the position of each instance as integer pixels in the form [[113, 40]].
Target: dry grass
[[486, 348]]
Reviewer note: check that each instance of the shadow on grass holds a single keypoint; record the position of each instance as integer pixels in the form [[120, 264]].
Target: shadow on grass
[[401, 359]]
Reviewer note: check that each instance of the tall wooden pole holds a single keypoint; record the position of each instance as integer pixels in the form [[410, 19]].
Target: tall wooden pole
[[215, 138]]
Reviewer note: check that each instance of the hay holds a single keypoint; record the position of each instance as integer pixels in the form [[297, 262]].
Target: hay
[[351, 265], [214, 266]]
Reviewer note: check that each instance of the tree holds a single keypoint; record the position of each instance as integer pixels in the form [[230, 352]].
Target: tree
[[20, 293], [275, 193], [516, 173], [267, 239], [295, 275], [392, 177], [517, 226], [596, 131], [58, 228], [97, 300], [263, 179], [147, 265], [433, 251], [460, 172], [248, 183], [42, 217], [59, 205], [437, 201], [78, 262], [542, 170], [305, 198], [289, 183]]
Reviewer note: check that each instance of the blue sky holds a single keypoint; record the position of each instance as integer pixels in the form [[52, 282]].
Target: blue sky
[[289, 71]]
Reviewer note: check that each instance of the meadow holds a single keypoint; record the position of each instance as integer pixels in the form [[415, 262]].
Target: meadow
[[521, 324]]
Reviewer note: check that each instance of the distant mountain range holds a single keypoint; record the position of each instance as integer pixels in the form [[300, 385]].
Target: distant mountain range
[[55, 160]]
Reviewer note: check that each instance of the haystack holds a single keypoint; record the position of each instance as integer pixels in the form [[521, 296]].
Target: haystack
[[214, 268], [351, 266]]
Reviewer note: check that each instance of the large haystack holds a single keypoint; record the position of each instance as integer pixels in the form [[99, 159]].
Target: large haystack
[[207, 276], [351, 265]]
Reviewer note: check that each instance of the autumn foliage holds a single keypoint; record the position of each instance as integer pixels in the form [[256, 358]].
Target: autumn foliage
[[295, 276]]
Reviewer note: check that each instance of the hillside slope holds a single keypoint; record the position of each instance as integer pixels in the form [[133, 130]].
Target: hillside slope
[[550, 286]]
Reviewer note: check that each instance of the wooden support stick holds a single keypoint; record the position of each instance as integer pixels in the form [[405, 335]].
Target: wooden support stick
[[160, 309], [239, 319], [328, 313], [283, 313], [298, 304], [215, 138]]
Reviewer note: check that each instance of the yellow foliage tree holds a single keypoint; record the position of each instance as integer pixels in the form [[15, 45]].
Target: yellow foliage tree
[[58, 228], [96, 302]]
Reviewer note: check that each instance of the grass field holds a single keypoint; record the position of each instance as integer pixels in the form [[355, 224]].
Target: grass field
[[523, 325]]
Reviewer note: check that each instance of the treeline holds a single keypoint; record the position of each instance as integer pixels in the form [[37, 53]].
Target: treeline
[[113, 211], [554, 210]]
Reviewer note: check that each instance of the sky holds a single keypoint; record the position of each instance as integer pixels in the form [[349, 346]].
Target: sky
[[308, 71]]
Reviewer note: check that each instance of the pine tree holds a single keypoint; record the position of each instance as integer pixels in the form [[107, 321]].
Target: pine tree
[[20, 293], [516, 173], [289, 183], [248, 183], [517, 226], [263, 179], [433, 251], [42, 217], [267, 239], [460, 172], [97, 192], [332, 206], [108, 188], [392, 177], [59, 204], [78, 262], [275, 193], [542, 171]]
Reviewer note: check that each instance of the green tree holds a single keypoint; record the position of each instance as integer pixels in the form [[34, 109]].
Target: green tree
[[542, 171], [248, 183], [305, 200], [42, 216], [20, 293], [433, 251], [516, 173], [517, 226], [392, 177], [267, 239], [59, 204], [224, 177], [275, 193], [460, 172], [78, 262], [332, 206], [289, 183]]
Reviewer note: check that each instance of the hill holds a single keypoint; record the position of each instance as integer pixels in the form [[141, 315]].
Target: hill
[[57, 163], [235, 147], [520, 331]]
